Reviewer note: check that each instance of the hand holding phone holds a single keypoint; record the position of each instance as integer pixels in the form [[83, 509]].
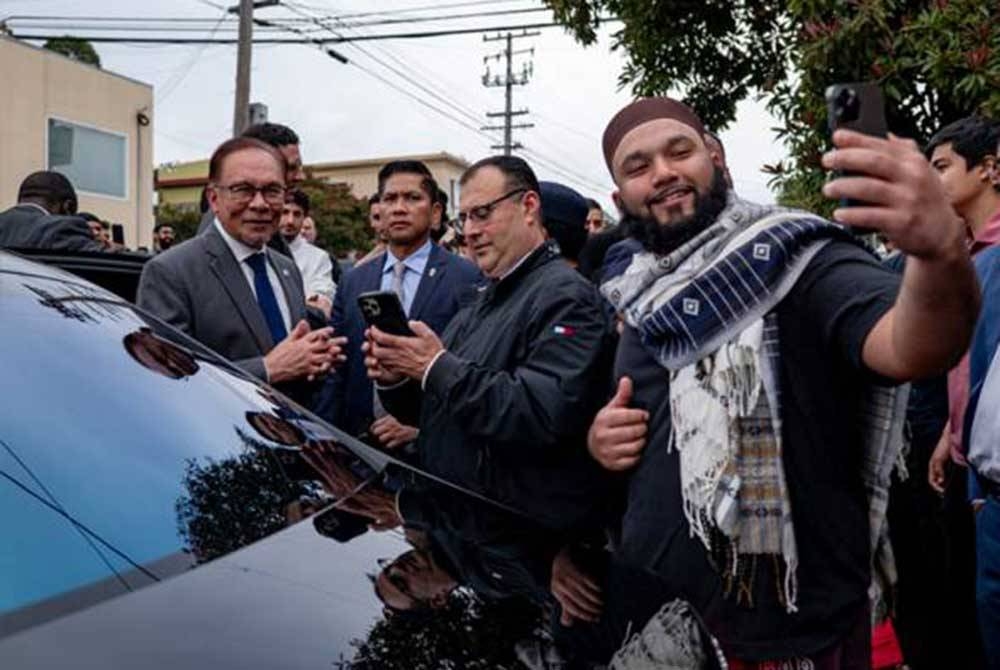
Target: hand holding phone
[[383, 310], [859, 107]]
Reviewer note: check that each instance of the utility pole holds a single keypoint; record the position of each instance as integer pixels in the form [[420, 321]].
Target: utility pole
[[244, 51], [241, 107], [508, 82]]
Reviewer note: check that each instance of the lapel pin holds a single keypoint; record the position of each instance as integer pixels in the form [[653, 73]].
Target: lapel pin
[[433, 271], [284, 272]]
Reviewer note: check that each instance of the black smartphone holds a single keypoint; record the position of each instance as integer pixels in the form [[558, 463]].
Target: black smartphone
[[383, 310], [859, 107], [118, 233]]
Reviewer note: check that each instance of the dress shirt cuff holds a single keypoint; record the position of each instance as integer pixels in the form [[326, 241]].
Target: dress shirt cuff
[[427, 370], [389, 387]]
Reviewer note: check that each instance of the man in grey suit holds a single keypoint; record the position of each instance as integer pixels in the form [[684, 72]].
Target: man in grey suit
[[45, 217], [230, 292]]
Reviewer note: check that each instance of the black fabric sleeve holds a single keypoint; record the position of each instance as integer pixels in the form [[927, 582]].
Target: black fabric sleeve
[[843, 293], [549, 396]]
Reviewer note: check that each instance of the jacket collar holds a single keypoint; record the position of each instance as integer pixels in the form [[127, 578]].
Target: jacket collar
[[546, 253]]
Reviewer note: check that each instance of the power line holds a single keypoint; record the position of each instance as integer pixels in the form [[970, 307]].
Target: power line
[[143, 24], [97, 39], [576, 178], [408, 10]]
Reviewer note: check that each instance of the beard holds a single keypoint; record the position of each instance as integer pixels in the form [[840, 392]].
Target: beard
[[663, 238]]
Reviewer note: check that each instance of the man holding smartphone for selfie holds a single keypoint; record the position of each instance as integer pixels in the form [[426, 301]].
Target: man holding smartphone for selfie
[[429, 282], [756, 410]]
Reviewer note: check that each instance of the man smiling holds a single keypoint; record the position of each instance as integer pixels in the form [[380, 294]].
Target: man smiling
[[504, 397], [227, 290], [747, 372]]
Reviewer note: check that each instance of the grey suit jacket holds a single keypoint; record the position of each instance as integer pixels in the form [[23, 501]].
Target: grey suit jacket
[[199, 288], [27, 227]]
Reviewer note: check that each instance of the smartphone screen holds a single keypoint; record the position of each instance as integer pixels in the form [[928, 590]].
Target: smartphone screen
[[383, 310]]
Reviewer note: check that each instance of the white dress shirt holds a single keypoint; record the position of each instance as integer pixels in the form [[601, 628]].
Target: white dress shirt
[[242, 252], [315, 266]]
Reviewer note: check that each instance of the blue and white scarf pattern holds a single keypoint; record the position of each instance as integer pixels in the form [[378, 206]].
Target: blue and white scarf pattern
[[706, 311]]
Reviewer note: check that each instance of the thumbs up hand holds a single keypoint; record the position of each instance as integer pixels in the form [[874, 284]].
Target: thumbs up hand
[[618, 434]]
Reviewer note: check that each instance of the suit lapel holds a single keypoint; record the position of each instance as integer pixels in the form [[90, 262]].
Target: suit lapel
[[234, 282], [433, 276]]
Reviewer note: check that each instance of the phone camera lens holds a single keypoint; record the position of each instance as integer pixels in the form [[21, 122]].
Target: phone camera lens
[[848, 106]]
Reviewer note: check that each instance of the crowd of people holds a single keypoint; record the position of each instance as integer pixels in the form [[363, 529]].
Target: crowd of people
[[795, 434]]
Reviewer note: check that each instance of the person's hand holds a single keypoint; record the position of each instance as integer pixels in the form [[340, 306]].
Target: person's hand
[[578, 595], [337, 479], [391, 433], [903, 196], [938, 464], [618, 434], [320, 302], [376, 372], [304, 354], [377, 505], [405, 356]]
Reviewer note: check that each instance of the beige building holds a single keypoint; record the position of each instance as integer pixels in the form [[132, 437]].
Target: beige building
[[92, 125], [181, 183]]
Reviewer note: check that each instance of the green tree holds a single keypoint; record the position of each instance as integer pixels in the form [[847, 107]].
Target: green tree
[[75, 48], [341, 219], [936, 61]]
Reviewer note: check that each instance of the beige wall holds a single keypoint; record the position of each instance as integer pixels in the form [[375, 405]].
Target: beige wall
[[362, 177], [37, 85]]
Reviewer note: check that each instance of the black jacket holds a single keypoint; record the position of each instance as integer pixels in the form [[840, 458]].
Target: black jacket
[[506, 409], [28, 227]]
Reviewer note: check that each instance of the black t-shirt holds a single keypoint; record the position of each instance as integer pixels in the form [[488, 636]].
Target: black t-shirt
[[823, 323]]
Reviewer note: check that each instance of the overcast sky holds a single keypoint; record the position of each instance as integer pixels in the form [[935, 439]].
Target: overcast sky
[[344, 112]]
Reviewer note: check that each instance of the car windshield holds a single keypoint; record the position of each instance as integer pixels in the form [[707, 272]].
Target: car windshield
[[128, 453]]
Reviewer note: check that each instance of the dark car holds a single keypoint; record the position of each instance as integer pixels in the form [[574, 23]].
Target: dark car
[[161, 509]]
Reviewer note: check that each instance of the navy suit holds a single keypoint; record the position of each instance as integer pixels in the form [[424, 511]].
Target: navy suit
[[448, 283]]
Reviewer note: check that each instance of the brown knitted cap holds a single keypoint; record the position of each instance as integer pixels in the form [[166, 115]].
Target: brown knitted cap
[[638, 113]]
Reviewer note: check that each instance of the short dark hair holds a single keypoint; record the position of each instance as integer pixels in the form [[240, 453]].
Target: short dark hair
[[372, 199], [593, 204], [516, 171], [158, 226], [973, 138], [229, 147], [298, 197], [427, 184], [274, 134], [48, 186], [88, 216]]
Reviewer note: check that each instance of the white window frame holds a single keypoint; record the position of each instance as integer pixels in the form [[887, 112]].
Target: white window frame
[[107, 131]]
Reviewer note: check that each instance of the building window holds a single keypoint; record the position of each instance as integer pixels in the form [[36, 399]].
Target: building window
[[93, 160]]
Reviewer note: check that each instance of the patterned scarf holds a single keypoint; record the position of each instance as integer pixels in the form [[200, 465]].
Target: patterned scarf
[[706, 311]]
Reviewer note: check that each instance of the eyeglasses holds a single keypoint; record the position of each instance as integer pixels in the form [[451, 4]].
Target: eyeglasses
[[481, 213], [244, 193]]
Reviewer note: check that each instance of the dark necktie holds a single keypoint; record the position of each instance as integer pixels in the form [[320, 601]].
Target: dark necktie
[[266, 298]]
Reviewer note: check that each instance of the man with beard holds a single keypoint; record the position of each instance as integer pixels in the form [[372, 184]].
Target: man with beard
[[760, 345]]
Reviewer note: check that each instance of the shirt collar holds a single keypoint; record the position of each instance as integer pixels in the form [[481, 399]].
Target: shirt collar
[[36, 206], [240, 250], [415, 262], [298, 243], [988, 235]]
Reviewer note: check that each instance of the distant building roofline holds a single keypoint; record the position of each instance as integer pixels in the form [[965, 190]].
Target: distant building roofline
[[368, 162]]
